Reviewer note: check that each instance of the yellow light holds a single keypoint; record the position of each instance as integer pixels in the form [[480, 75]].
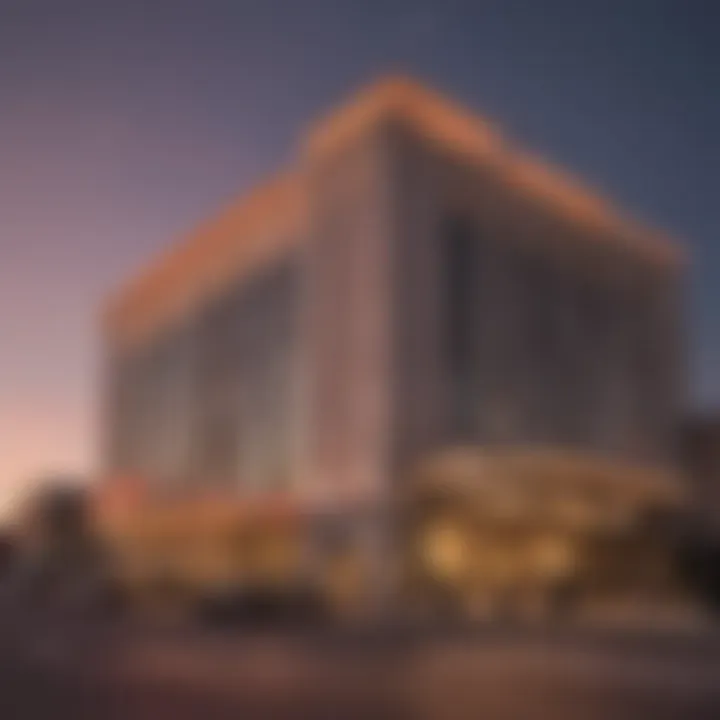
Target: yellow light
[[444, 549]]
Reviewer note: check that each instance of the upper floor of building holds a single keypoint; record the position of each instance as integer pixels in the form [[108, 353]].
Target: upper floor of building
[[476, 171]]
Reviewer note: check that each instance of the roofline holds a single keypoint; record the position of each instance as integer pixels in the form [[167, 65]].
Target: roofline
[[210, 251], [261, 223], [462, 132]]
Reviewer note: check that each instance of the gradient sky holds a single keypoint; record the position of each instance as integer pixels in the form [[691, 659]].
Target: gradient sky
[[123, 123]]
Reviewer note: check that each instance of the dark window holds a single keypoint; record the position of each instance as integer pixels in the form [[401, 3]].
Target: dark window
[[461, 278], [461, 266]]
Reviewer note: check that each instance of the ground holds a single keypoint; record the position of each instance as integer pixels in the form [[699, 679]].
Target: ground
[[78, 669]]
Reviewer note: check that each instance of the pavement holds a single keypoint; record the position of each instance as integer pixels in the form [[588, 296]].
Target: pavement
[[80, 667]]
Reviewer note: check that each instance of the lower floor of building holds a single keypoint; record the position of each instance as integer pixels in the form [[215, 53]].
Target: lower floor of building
[[468, 533]]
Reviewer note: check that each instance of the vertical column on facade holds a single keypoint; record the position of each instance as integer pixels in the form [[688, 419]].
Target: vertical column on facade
[[420, 221], [348, 336]]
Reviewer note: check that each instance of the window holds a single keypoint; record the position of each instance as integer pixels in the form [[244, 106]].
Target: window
[[461, 276], [461, 266]]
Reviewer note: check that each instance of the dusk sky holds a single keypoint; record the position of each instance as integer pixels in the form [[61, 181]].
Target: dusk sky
[[122, 124]]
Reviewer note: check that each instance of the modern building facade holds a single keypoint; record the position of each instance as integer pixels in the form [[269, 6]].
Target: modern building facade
[[412, 288]]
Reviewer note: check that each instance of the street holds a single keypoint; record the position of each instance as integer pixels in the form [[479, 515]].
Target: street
[[71, 670]]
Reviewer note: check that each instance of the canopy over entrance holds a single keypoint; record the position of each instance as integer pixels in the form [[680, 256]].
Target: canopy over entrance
[[576, 489]]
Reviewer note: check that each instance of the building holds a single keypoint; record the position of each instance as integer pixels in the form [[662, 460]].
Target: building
[[700, 452], [414, 296]]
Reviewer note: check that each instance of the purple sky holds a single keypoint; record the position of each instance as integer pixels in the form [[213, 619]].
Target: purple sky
[[124, 123]]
